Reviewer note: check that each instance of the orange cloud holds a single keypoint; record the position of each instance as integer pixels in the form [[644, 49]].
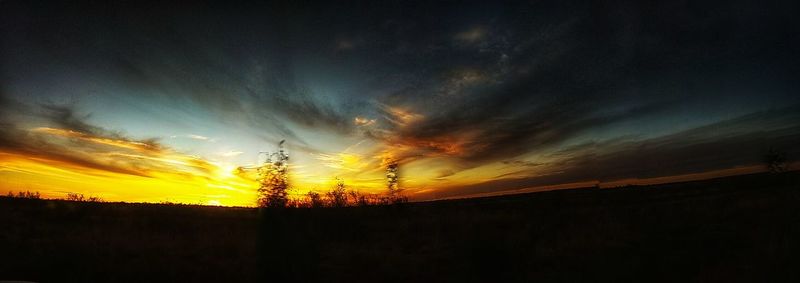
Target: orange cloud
[[360, 121], [400, 116], [140, 146], [116, 169]]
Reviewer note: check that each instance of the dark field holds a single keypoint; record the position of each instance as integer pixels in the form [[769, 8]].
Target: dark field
[[744, 228]]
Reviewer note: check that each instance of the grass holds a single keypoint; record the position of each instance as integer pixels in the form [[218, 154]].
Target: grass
[[743, 228]]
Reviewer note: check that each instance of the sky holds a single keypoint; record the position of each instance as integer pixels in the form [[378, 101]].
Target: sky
[[162, 101]]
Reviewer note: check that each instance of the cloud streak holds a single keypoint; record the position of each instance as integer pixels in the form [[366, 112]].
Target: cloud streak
[[703, 149]]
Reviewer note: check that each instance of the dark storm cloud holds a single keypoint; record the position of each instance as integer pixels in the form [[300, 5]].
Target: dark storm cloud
[[242, 60], [507, 125], [579, 67], [713, 147]]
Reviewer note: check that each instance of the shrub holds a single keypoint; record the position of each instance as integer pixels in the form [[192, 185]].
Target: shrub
[[25, 194], [315, 200], [75, 197], [82, 198]]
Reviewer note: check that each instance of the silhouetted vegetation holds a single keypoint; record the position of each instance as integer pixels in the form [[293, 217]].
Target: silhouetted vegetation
[[273, 180], [315, 200], [25, 194], [80, 197], [338, 196], [69, 197], [273, 185], [725, 230]]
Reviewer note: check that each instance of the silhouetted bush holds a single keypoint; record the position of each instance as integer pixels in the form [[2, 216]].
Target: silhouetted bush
[[315, 200], [82, 198], [74, 197], [25, 194], [359, 199]]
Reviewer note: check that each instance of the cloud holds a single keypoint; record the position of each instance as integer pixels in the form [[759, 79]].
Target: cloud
[[65, 118], [198, 137], [500, 124], [194, 137], [29, 145], [522, 163], [717, 146], [342, 161], [471, 35], [74, 143], [362, 122], [231, 153], [145, 146], [248, 78], [541, 86]]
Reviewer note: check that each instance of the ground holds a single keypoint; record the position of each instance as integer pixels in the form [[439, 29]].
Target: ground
[[743, 228]]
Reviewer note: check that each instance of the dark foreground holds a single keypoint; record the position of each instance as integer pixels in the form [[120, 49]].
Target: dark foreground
[[744, 228]]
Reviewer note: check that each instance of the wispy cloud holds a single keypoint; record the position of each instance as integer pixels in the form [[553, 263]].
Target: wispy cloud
[[194, 137], [363, 122], [198, 137], [718, 146], [79, 143], [472, 35], [231, 153], [147, 146]]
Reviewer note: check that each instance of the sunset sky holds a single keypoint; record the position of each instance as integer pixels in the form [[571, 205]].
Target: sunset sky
[[159, 102]]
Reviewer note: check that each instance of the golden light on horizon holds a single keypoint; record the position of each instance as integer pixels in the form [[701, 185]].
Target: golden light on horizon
[[55, 179], [65, 161], [57, 161]]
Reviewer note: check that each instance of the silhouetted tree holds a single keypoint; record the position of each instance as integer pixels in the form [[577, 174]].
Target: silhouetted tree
[[273, 180], [338, 196], [26, 194], [315, 200]]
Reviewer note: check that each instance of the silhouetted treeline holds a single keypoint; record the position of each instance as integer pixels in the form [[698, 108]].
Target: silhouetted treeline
[[734, 229], [69, 197]]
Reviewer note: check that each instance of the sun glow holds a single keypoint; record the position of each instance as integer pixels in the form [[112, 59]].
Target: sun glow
[[55, 180]]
